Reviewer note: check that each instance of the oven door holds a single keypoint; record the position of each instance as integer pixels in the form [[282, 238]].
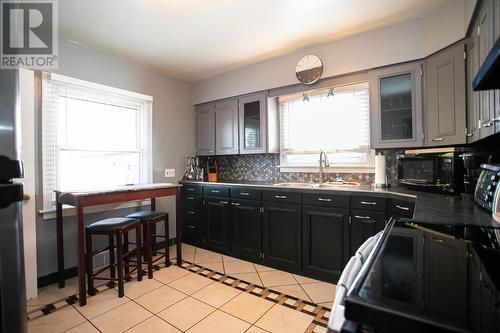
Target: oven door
[[417, 170]]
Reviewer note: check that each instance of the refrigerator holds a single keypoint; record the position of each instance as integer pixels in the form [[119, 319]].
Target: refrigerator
[[12, 280]]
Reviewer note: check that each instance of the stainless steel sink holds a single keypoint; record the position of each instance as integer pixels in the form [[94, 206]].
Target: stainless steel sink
[[317, 185], [294, 184]]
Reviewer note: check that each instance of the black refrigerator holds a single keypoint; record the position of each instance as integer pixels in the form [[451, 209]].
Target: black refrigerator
[[12, 280]]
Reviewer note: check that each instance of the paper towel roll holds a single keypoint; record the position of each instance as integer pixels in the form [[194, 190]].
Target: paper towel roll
[[379, 170]]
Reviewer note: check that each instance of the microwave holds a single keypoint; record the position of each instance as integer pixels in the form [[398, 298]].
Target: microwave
[[431, 170]]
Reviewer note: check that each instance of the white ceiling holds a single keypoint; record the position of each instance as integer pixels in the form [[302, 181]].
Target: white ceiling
[[196, 39]]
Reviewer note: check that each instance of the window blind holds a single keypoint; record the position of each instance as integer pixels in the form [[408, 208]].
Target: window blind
[[93, 137], [338, 124]]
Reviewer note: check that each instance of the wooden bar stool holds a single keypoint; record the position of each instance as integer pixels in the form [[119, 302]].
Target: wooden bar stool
[[149, 219], [115, 227]]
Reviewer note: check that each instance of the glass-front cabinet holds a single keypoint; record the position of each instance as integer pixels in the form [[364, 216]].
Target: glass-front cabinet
[[252, 109], [396, 106]]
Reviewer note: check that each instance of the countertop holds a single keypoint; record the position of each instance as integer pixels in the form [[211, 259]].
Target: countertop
[[430, 207]]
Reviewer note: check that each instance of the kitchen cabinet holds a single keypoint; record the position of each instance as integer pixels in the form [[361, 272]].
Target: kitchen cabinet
[[396, 106], [246, 229], [253, 119], [496, 37], [205, 129], [445, 97], [192, 222], [281, 234], [364, 224], [325, 237], [216, 214], [473, 111], [226, 127]]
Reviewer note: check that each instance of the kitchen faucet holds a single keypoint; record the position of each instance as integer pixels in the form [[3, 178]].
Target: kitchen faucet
[[323, 162]]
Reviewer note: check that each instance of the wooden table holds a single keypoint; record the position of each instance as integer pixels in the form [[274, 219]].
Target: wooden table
[[80, 200]]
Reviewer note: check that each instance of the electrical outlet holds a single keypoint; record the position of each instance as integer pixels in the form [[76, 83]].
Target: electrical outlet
[[169, 173]]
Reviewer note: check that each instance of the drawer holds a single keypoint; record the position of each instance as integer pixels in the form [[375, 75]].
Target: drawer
[[245, 193], [329, 200], [216, 191], [192, 212], [278, 196], [369, 203], [191, 189], [402, 208], [189, 200]]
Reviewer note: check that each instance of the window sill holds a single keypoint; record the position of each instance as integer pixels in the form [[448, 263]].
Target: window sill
[[49, 214], [315, 169]]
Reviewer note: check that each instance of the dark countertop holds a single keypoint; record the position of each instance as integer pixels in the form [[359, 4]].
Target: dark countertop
[[430, 207]]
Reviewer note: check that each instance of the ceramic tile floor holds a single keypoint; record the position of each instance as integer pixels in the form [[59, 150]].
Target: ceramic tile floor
[[180, 300]]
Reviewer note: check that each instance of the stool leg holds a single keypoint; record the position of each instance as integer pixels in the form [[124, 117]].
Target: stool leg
[[119, 254], [149, 249], [153, 232], [145, 239], [111, 242], [138, 252], [125, 251], [167, 243], [90, 264]]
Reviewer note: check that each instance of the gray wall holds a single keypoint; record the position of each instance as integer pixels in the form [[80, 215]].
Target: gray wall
[[173, 134]]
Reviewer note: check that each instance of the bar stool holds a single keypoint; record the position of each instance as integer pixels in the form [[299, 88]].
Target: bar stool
[[114, 227], [149, 219]]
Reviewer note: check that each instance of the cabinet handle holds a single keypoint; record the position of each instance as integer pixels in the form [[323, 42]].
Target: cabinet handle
[[244, 193], [495, 120], [191, 212], [438, 240], [488, 124], [280, 196], [469, 135], [364, 218], [223, 202], [325, 199], [191, 226], [403, 207], [214, 191], [190, 198], [437, 139], [189, 189], [235, 204], [368, 203]]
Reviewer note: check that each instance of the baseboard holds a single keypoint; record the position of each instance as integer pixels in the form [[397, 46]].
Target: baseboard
[[71, 272]]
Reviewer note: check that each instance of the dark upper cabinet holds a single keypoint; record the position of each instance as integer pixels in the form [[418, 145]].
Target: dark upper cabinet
[[216, 215], [473, 111], [396, 106], [226, 127], [325, 235], [364, 224], [445, 97], [246, 229], [253, 120], [205, 129], [282, 235]]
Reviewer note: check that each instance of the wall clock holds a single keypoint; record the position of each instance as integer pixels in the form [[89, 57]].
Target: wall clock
[[309, 69]]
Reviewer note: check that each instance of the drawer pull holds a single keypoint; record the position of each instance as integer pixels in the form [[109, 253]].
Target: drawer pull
[[437, 139], [362, 217], [438, 240], [223, 202], [403, 207], [191, 212], [214, 191], [469, 135], [190, 198], [189, 189], [488, 124], [325, 199], [368, 203], [244, 193], [191, 226], [280, 196], [235, 204]]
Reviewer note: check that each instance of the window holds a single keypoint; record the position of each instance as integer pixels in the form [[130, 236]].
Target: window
[[338, 124], [93, 136]]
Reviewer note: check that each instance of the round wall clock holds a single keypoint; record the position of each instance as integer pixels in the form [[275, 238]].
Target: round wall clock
[[309, 69]]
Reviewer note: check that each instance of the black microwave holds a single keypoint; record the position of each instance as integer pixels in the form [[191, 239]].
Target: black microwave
[[431, 171]]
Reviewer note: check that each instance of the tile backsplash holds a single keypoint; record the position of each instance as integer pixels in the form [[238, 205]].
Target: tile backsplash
[[263, 167]]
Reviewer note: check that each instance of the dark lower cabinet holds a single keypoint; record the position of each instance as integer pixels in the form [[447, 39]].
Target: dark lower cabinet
[[246, 229], [282, 242], [192, 218], [364, 224], [325, 234], [217, 224]]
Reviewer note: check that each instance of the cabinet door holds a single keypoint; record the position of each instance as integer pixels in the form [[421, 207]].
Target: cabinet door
[[396, 106], [205, 129], [246, 229], [496, 36], [473, 112], [192, 227], [325, 237], [226, 127], [445, 97], [216, 222], [485, 32], [364, 224], [253, 130], [282, 235]]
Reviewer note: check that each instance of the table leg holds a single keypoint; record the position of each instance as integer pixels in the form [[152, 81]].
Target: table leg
[[80, 248], [152, 228], [178, 226], [60, 243], [153, 203]]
